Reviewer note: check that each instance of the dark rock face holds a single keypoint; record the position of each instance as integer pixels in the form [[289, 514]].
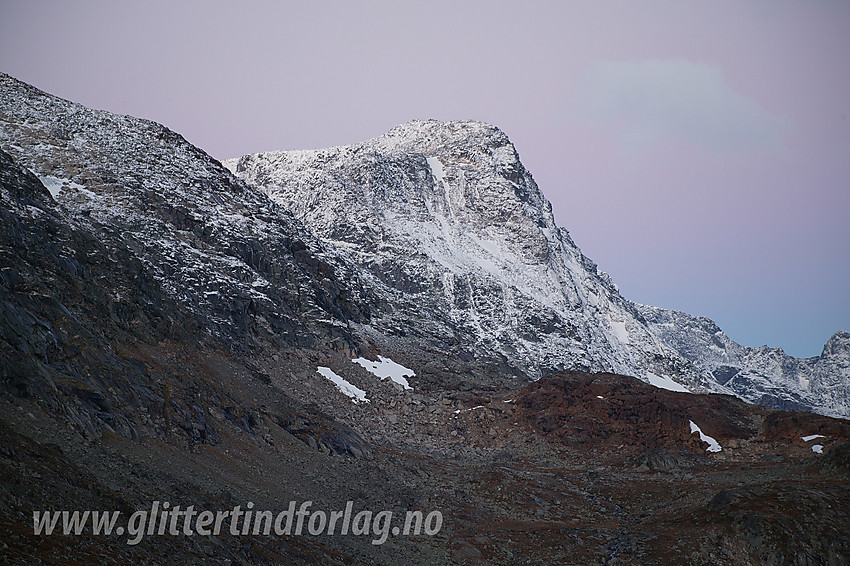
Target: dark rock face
[[226, 255], [322, 432], [55, 327]]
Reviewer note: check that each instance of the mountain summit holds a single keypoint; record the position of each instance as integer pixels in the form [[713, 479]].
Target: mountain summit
[[449, 226], [447, 222]]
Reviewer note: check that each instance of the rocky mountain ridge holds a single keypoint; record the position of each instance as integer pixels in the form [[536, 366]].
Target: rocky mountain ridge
[[764, 375], [223, 251]]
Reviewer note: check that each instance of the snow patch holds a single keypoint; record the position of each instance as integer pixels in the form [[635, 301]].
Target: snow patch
[[458, 411], [56, 185], [357, 395], [665, 383], [439, 173], [386, 368], [619, 328], [437, 169], [491, 246], [713, 445]]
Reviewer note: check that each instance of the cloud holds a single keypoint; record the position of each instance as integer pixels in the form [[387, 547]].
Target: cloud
[[646, 101]]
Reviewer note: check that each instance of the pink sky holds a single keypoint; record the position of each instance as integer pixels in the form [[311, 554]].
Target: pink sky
[[698, 152]]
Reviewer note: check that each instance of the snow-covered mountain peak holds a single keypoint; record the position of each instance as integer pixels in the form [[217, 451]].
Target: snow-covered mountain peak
[[444, 217], [446, 214], [430, 136], [765, 375]]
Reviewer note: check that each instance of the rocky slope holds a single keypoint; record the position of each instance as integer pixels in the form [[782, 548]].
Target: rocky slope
[[447, 222], [225, 254]]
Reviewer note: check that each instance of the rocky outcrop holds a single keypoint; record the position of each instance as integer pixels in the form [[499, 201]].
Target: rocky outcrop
[[763, 375], [582, 409]]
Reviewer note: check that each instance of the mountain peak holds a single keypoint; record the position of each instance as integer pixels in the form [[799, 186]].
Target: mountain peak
[[445, 214], [465, 140], [445, 132]]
